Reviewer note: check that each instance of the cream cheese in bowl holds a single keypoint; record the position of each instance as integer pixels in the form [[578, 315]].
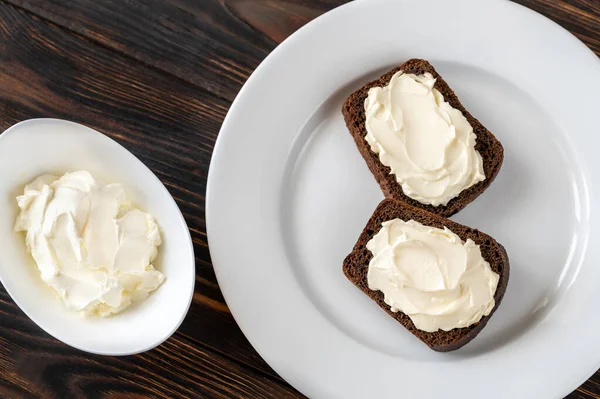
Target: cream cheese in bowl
[[143, 312], [90, 244]]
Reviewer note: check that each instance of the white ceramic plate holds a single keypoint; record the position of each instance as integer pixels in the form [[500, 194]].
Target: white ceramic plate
[[289, 194], [39, 146]]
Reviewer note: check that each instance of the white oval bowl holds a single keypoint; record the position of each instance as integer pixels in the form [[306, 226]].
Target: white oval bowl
[[38, 146]]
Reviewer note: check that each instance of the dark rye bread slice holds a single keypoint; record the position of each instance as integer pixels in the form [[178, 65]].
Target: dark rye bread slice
[[356, 266], [487, 145]]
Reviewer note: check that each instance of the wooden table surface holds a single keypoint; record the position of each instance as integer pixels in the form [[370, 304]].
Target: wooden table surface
[[158, 76]]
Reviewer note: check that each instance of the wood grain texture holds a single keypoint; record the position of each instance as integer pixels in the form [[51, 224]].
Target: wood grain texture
[[158, 76], [171, 126], [213, 44]]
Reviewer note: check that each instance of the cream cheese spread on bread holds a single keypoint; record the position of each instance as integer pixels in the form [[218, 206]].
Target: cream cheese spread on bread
[[90, 245], [428, 145], [431, 275]]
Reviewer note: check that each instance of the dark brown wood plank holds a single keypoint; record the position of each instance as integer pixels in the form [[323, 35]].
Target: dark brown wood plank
[[171, 126], [589, 389], [214, 44]]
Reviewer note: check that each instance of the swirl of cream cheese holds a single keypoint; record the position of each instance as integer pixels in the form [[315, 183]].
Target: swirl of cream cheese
[[428, 145], [90, 245], [431, 275]]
